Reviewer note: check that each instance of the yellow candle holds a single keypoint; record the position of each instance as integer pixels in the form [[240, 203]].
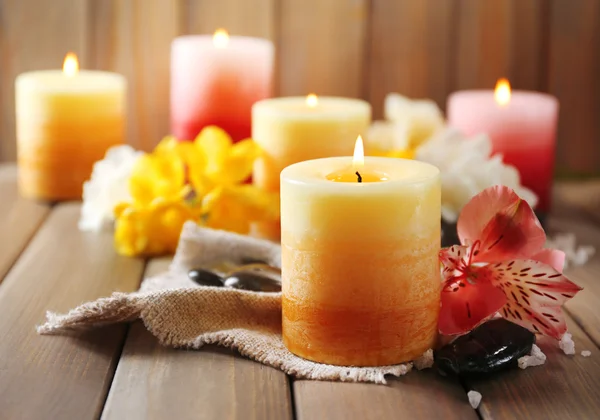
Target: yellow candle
[[295, 129], [65, 122], [361, 282]]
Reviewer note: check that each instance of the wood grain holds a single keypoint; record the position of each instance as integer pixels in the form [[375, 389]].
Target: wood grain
[[19, 219], [155, 382], [134, 38], [566, 387], [501, 38], [574, 67], [59, 377], [249, 18], [417, 395], [321, 47], [34, 35], [411, 50]]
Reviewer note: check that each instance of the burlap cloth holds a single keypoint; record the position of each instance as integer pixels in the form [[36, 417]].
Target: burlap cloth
[[182, 314]]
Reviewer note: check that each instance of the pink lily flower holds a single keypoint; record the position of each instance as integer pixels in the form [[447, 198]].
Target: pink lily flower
[[501, 266]]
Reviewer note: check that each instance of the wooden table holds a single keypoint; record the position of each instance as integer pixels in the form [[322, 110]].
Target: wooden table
[[120, 372]]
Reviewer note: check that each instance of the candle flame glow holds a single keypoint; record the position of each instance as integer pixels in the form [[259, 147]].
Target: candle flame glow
[[359, 154], [502, 92], [70, 65], [220, 38], [312, 100]]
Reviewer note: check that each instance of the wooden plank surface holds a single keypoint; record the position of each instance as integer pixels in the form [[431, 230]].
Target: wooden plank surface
[[411, 50], [34, 35], [417, 395], [566, 387], [321, 47], [19, 219], [134, 39], [248, 18], [501, 38], [574, 66], [155, 382], [59, 377]]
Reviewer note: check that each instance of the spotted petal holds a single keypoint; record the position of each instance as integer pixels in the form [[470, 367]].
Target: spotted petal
[[553, 257], [465, 305], [503, 225], [454, 261], [535, 293]]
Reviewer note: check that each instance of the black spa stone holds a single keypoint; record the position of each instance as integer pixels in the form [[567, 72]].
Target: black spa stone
[[491, 347], [253, 280], [205, 277]]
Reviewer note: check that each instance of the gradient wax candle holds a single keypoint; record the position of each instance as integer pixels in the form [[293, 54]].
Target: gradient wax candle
[[294, 129], [361, 278], [522, 127], [66, 120], [215, 80]]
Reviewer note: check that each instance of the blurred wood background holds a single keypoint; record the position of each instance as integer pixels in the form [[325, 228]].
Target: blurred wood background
[[356, 48]]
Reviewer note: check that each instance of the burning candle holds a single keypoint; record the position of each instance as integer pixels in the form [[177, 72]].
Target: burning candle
[[66, 120], [215, 80], [360, 241], [294, 129], [521, 125]]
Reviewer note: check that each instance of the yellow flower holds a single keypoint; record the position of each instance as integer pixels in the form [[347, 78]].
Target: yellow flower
[[157, 175], [152, 229], [233, 208], [404, 154], [226, 163]]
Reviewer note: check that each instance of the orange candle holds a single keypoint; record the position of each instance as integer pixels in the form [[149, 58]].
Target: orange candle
[[360, 242], [66, 120]]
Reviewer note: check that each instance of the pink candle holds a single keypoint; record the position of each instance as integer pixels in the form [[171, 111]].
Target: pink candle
[[216, 80], [522, 127]]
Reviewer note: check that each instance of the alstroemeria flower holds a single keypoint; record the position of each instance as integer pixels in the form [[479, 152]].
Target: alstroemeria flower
[[501, 266]]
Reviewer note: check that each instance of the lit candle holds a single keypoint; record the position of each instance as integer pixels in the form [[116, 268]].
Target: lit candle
[[521, 125], [66, 120], [294, 129], [215, 80], [360, 243]]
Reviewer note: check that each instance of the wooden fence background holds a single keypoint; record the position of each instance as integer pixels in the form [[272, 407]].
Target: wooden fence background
[[356, 48]]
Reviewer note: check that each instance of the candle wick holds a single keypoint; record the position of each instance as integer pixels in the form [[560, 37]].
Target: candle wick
[[359, 177]]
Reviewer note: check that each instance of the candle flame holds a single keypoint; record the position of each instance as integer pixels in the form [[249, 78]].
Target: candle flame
[[359, 154], [70, 65], [220, 38], [312, 100], [502, 92]]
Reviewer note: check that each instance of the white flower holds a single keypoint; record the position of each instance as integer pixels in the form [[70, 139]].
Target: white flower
[[467, 167], [107, 187], [408, 124]]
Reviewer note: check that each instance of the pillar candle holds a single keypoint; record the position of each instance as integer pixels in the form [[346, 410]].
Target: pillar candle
[[294, 129], [66, 120], [522, 127], [215, 80], [361, 279]]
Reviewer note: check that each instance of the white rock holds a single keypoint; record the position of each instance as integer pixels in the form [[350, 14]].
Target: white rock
[[535, 358], [566, 344], [474, 398], [586, 353], [425, 361]]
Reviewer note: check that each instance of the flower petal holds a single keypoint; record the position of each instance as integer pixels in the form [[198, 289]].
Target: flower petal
[[453, 261], [535, 292], [553, 257], [466, 305], [504, 224], [240, 161], [214, 143]]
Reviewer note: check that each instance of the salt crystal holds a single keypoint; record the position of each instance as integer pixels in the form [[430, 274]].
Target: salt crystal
[[425, 361], [474, 398], [535, 358], [566, 344], [586, 353]]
